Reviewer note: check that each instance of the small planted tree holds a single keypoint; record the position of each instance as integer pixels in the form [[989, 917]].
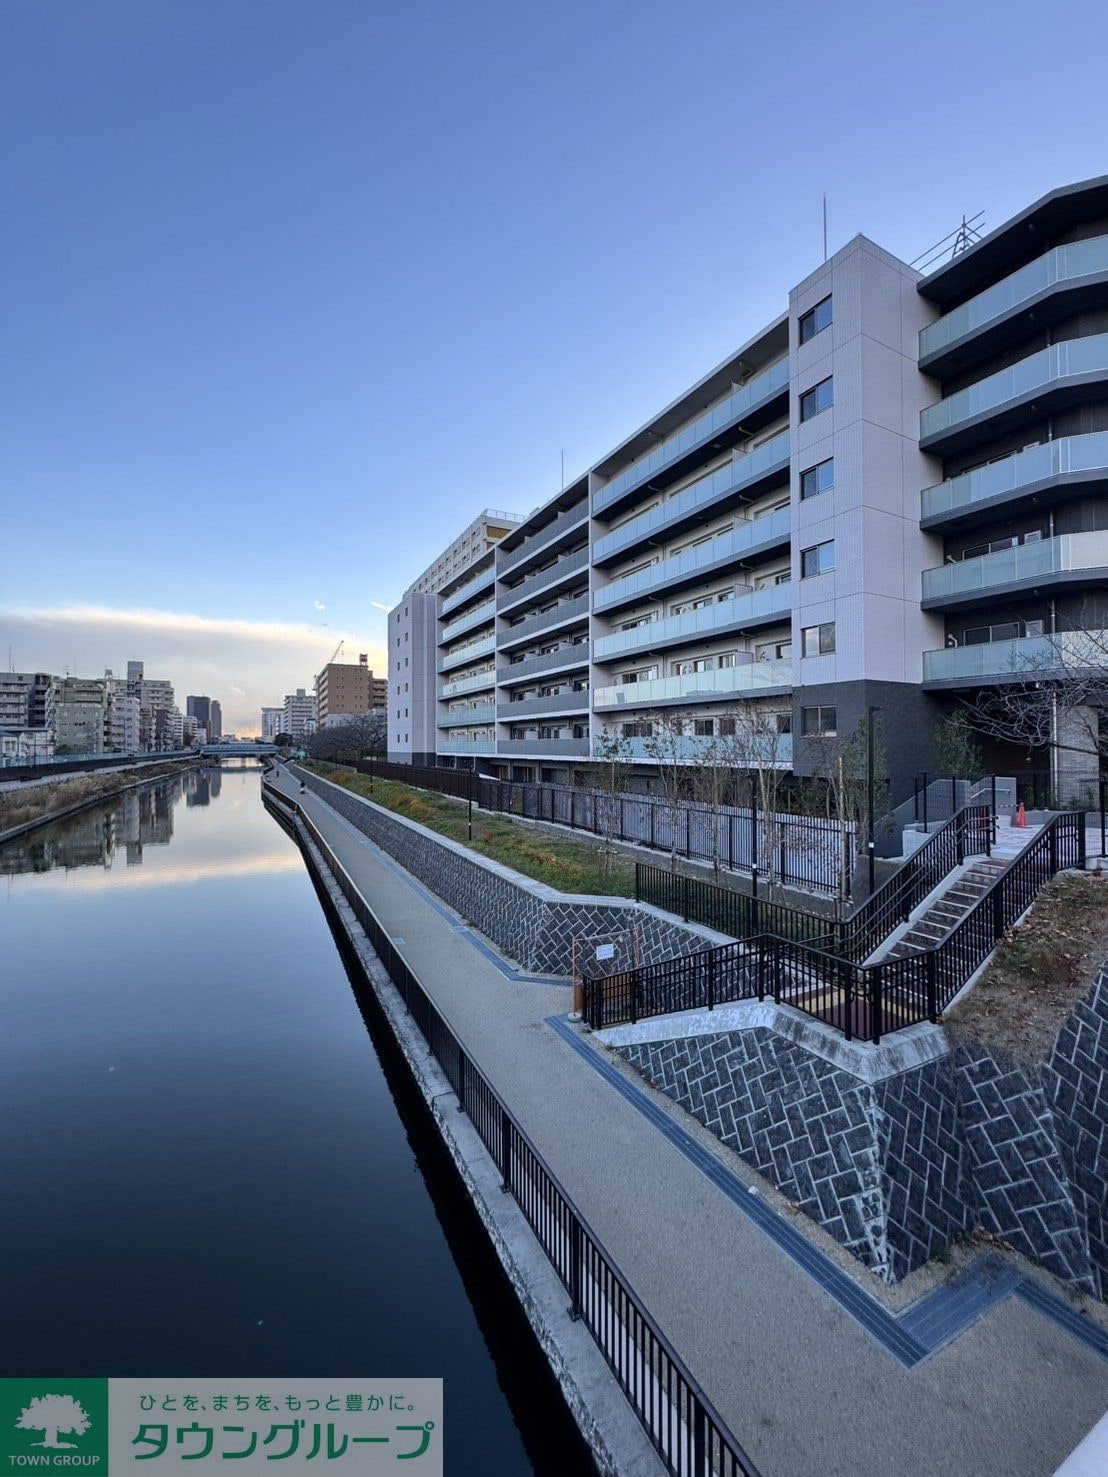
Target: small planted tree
[[607, 776], [54, 1415], [668, 748], [956, 751]]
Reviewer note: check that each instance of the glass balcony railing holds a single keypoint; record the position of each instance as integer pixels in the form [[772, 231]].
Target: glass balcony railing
[[1018, 658], [1063, 266], [763, 386], [542, 579], [740, 472], [482, 581], [468, 653], [466, 746], [1069, 360], [756, 676], [1069, 456], [739, 541], [465, 717], [475, 683], [475, 617], [572, 518], [1070, 552], [773, 750], [708, 620]]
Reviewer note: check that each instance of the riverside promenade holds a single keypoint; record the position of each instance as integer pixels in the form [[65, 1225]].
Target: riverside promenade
[[815, 1372]]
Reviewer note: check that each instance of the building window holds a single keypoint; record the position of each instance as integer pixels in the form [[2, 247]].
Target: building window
[[819, 722], [817, 479], [815, 320], [703, 727], [819, 559], [819, 398], [819, 640]]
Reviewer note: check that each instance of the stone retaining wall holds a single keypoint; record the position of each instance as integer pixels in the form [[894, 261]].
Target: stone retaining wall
[[530, 922], [896, 1168]]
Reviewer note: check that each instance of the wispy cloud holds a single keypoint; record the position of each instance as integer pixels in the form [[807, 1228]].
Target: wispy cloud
[[245, 663], [319, 605], [378, 606]]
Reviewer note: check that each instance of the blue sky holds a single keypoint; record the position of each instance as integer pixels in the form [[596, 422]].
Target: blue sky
[[290, 291]]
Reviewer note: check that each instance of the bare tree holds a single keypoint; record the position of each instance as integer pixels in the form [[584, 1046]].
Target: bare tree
[[607, 776], [668, 748], [1054, 704]]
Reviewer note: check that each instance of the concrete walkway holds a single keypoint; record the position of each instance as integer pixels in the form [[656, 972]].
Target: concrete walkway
[[804, 1385]]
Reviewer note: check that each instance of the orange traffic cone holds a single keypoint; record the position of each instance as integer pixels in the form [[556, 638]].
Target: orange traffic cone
[[1021, 815]]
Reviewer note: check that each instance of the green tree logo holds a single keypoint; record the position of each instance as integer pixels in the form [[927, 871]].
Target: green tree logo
[[54, 1415]]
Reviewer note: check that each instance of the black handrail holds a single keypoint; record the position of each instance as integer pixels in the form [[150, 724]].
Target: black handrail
[[864, 1000], [684, 1427]]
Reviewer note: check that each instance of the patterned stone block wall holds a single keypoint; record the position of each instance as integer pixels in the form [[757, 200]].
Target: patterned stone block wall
[[1076, 1083], [535, 930], [896, 1170], [1016, 1180]]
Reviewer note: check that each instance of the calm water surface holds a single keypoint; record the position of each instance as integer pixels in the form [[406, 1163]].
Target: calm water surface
[[211, 1162]]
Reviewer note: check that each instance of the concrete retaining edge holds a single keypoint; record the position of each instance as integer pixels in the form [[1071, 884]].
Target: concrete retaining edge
[[619, 1445]]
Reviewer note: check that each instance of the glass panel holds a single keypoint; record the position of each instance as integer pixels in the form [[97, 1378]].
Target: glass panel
[[719, 615], [1068, 454]]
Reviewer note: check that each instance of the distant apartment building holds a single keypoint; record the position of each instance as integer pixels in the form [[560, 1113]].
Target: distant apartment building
[[348, 689], [122, 716], [459, 586], [215, 726], [891, 496], [80, 716], [272, 719], [298, 716], [27, 699]]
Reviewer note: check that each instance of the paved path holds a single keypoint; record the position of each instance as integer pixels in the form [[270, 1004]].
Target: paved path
[[805, 1386]]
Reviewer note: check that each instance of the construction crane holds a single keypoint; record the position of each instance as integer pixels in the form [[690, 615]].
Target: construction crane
[[337, 652]]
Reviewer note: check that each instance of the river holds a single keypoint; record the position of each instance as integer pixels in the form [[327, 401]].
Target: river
[[212, 1162]]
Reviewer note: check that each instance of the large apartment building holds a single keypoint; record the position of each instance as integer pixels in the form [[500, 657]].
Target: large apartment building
[[893, 494], [348, 690]]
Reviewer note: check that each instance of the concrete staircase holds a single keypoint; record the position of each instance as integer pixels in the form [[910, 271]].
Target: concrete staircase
[[949, 908]]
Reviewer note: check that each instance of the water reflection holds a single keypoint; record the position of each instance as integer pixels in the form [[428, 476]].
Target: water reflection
[[209, 1169]]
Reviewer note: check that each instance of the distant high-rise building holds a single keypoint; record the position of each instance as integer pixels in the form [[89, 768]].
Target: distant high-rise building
[[215, 727], [272, 718], [348, 689], [299, 713], [27, 699], [199, 708], [80, 715]]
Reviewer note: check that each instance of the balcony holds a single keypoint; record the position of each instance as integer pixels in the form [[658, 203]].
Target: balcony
[[545, 579], [769, 751], [475, 617], [483, 581], [756, 395], [467, 717], [1044, 382], [1022, 658], [542, 543], [1070, 559], [743, 476], [566, 657], [470, 653], [1055, 470], [564, 613], [754, 678], [534, 707], [463, 747], [477, 683], [746, 541], [744, 612], [1054, 285], [559, 748]]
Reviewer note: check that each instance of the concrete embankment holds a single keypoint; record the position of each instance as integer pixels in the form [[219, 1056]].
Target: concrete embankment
[[32, 803]]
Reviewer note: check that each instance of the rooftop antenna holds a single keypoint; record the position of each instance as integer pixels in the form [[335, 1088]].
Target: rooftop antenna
[[825, 226]]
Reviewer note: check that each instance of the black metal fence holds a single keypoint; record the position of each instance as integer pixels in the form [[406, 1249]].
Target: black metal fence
[[865, 1001], [685, 1429], [799, 850], [968, 833]]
